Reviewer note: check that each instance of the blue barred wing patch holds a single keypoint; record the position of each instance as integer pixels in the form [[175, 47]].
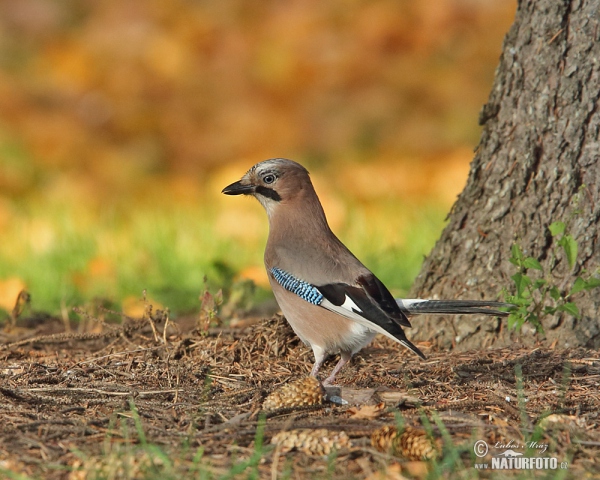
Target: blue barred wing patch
[[303, 289]]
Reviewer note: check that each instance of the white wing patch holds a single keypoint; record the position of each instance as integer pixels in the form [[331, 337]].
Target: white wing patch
[[357, 317], [350, 305]]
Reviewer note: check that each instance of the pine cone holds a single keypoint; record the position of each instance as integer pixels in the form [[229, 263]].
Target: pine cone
[[412, 444], [383, 438], [306, 391], [311, 442]]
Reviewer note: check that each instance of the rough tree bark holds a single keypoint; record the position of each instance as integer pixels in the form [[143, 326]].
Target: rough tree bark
[[536, 163]]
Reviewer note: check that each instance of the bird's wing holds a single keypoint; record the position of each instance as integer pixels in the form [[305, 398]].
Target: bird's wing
[[380, 296], [367, 303]]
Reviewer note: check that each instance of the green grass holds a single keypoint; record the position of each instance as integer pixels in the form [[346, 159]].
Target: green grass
[[167, 253], [132, 456], [70, 254]]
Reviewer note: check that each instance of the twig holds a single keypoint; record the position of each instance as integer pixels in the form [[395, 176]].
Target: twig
[[124, 352], [103, 392]]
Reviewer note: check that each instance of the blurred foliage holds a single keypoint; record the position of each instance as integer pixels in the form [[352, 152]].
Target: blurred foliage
[[121, 121]]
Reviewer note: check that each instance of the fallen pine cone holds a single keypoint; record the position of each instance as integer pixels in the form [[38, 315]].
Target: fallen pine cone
[[412, 443], [311, 442], [306, 391], [558, 421]]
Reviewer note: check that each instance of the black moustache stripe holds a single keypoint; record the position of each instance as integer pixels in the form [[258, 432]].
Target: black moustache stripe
[[268, 192]]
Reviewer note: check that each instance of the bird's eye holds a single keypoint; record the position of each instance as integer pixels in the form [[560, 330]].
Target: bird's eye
[[270, 178]]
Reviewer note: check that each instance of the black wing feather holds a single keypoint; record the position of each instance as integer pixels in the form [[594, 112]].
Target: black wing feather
[[337, 293], [384, 299], [334, 292]]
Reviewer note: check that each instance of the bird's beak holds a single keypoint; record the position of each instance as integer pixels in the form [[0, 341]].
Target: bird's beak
[[238, 188]]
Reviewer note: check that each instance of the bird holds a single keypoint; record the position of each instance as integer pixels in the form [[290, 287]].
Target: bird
[[332, 301]]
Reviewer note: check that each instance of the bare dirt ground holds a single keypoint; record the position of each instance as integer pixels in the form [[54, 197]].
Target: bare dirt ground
[[66, 401]]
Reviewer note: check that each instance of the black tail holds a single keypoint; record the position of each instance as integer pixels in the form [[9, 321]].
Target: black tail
[[453, 307]]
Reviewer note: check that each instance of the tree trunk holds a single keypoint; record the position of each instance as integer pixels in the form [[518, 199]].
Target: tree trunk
[[536, 163]]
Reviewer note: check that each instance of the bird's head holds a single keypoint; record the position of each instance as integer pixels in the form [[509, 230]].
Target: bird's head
[[272, 182]]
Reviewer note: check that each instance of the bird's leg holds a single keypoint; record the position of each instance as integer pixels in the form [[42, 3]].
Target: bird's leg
[[315, 369], [320, 357], [344, 359]]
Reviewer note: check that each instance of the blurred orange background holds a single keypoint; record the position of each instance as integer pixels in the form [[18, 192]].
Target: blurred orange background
[[146, 104]]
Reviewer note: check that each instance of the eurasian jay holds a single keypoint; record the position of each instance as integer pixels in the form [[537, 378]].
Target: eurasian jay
[[331, 300]]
